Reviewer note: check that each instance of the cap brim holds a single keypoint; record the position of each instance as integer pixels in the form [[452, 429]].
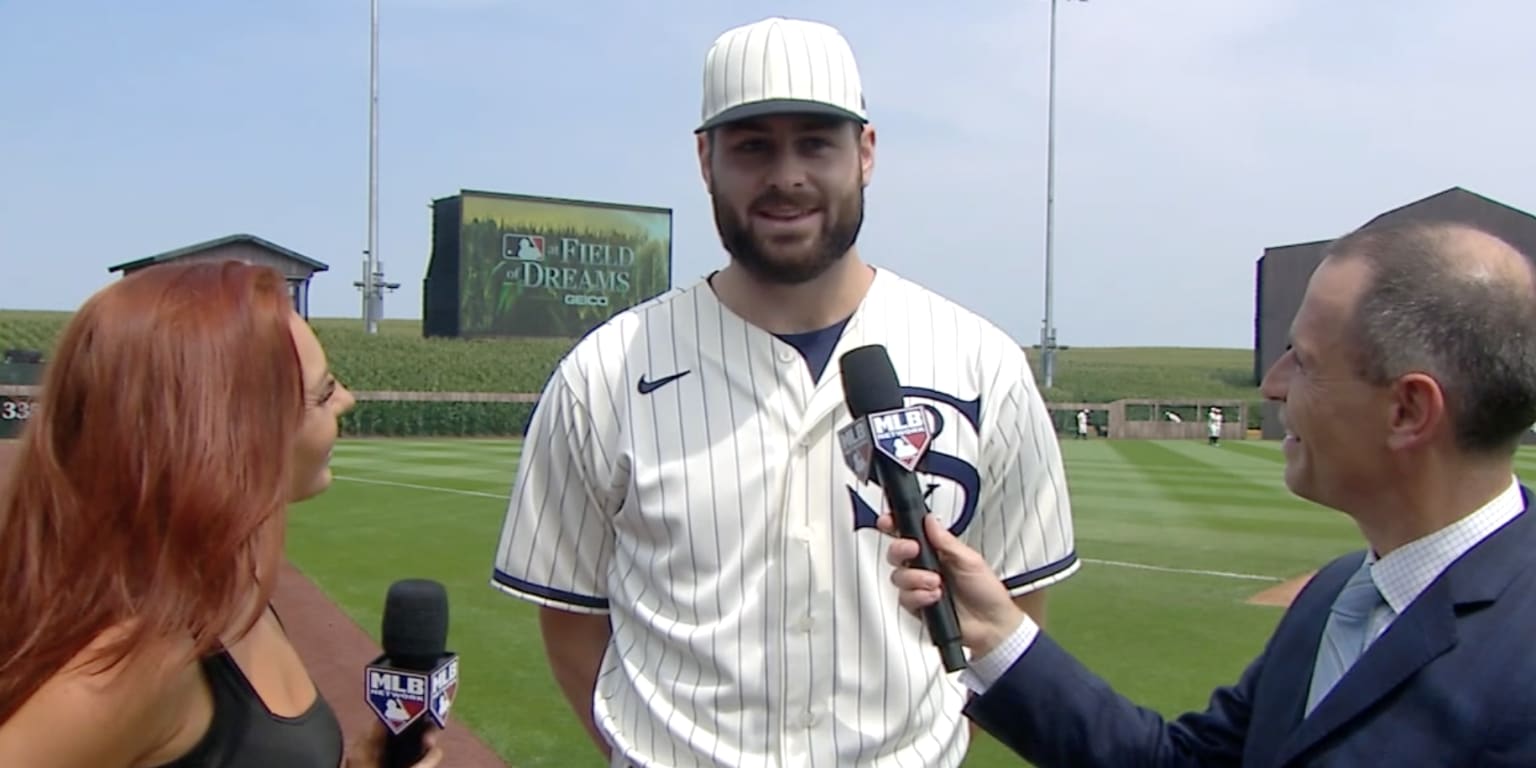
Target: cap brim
[[773, 107]]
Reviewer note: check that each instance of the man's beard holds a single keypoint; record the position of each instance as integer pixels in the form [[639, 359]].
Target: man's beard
[[839, 230]]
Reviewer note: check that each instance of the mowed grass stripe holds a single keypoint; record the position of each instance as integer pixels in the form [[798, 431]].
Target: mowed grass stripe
[[1267, 451], [1222, 457], [1179, 476], [416, 487], [1525, 463], [426, 454], [1185, 458], [427, 449], [478, 472], [405, 470], [482, 470], [1121, 481], [1187, 571], [1220, 513], [1194, 545]]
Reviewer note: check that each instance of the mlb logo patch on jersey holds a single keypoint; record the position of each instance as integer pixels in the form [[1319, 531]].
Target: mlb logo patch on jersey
[[902, 435], [396, 696], [522, 247]]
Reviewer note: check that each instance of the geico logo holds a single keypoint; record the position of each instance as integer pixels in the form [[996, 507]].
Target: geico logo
[[581, 300]]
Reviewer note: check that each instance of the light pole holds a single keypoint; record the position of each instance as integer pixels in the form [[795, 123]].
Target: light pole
[[1048, 331], [371, 268]]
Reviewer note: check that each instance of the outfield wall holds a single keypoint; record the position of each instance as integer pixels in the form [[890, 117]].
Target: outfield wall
[[489, 414]]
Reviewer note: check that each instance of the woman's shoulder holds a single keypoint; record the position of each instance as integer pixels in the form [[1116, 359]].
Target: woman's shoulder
[[103, 711]]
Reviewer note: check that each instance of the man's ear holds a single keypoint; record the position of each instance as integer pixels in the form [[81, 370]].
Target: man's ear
[[867, 153], [1418, 412], [705, 148]]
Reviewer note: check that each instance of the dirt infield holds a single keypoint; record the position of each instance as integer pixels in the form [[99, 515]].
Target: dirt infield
[[335, 650], [1283, 593]]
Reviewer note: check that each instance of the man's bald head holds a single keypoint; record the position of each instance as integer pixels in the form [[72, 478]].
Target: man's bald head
[[1459, 304]]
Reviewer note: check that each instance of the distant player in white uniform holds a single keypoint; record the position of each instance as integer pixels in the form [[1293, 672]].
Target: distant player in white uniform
[[1213, 421], [713, 589]]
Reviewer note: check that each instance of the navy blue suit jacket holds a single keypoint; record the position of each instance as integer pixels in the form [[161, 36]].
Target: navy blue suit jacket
[[1452, 682]]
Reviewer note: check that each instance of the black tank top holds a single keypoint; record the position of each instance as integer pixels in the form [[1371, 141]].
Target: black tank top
[[245, 734]]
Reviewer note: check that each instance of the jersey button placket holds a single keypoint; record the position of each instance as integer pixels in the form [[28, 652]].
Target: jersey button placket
[[809, 719]]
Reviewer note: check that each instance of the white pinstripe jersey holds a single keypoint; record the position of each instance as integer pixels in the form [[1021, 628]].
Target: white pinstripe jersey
[[715, 521]]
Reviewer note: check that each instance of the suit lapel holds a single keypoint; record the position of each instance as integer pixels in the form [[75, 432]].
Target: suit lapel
[[1424, 632], [1281, 698]]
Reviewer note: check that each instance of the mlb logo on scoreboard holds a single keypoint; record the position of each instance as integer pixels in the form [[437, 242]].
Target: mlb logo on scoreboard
[[397, 697], [522, 247], [902, 435]]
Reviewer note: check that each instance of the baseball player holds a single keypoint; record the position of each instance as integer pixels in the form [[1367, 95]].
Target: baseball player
[[713, 590]]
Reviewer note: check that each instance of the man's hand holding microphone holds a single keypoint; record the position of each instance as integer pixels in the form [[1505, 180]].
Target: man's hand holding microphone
[[988, 616]]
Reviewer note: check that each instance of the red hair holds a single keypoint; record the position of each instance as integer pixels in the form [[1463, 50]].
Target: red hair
[[151, 484]]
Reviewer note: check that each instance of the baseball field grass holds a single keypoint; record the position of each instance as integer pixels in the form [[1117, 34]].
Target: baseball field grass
[[1177, 539]]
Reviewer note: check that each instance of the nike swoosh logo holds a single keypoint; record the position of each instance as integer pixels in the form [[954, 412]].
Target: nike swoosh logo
[[647, 387]]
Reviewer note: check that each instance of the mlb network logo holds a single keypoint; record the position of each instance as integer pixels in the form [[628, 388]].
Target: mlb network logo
[[901, 434], [400, 697], [522, 247]]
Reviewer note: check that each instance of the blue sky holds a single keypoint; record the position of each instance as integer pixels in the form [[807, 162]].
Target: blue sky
[[1190, 135]]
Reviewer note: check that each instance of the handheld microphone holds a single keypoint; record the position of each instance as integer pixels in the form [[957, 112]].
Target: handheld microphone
[[416, 678], [898, 437]]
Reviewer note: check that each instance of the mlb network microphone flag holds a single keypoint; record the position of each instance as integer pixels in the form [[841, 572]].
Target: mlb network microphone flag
[[858, 450], [902, 435], [399, 697]]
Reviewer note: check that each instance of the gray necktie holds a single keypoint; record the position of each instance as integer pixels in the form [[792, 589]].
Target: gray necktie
[[1344, 636]]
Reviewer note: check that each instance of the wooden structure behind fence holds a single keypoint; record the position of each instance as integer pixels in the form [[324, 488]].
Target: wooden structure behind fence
[[1234, 424], [1123, 419]]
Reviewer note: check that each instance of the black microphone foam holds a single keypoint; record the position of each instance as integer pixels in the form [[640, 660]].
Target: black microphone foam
[[415, 638], [415, 631], [869, 381], [870, 386]]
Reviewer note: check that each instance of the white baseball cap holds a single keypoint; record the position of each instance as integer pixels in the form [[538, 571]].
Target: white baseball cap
[[781, 66]]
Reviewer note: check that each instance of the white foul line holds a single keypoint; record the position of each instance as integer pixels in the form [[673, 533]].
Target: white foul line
[[1117, 563], [439, 489], [1191, 571]]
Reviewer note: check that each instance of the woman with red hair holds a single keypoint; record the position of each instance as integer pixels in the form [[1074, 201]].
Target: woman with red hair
[[184, 408]]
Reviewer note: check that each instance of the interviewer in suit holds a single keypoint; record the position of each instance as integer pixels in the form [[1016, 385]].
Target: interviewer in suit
[[1409, 381]]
